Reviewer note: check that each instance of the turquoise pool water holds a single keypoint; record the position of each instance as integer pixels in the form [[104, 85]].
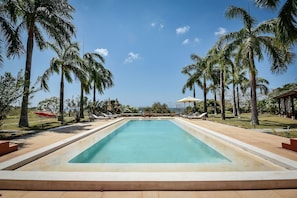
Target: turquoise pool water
[[149, 141]]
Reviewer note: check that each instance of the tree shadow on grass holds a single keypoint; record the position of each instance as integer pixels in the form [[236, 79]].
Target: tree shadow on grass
[[39, 128], [245, 122], [275, 124]]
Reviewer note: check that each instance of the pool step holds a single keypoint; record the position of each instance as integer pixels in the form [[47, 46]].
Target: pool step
[[7, 147], [292, 146]]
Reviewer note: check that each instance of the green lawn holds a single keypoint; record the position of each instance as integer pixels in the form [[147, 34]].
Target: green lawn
[[267, 121], [10, 129]]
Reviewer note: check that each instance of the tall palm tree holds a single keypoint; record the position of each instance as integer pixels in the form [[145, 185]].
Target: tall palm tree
[[37, 17], [99, 76], [200, 74], [250, 42], [221, 57], [67, 62], [214, 85], [286, 29], [233, 82], [239, 79], [190, 84]]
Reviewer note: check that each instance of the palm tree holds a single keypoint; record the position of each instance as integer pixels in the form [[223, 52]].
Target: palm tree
[[262, 85], [8, 36], [190, 84], [200, 70], [100, 77], [38, 17], [286, 29], [214, 85], [240, 80], [233, 82], [221, 56], [67, 62], [250, 42]]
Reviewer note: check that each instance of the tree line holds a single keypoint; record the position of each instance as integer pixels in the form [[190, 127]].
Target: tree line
[[232, 59]]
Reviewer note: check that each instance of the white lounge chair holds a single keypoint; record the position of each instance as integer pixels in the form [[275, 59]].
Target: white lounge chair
[[201, 116], [93, 116], [109, 115]]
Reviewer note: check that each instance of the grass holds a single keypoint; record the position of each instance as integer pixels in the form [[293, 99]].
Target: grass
[[267, 121], [10, 128], [290, 134]]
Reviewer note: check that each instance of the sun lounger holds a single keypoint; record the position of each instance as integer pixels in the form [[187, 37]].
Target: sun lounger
[[201, 116], [93, 116], [109, 115]]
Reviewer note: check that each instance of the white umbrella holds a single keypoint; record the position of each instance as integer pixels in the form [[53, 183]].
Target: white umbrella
[[189, 99]]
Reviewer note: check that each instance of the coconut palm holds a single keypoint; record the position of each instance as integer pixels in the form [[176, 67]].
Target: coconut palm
[[286, 29], [8, 36], [250, 42], [100, 77], [190, 84], [262, 85], [214, 85], [199, 71], [67, 62], [240, 80], [37, 17], [221, 57]]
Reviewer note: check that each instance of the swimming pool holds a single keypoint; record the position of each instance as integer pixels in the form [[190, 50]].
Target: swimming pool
[[237, 159], [150, 141], [49, 168]]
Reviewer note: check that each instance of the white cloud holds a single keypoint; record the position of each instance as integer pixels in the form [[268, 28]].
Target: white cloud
[[131, 57], [186, 41], [197, 40], [182, 30], [221, 31], [157, 25], [102, 51]]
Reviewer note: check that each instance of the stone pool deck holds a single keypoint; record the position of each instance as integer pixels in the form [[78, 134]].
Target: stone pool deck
[[264, 141]]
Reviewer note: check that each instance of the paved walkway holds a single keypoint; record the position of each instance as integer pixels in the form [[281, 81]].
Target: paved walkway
[[262, 140]]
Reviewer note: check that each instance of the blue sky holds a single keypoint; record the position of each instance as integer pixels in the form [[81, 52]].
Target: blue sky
[[146, 44]]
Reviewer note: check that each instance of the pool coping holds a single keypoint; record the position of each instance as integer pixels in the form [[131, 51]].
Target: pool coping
[[39, 180]]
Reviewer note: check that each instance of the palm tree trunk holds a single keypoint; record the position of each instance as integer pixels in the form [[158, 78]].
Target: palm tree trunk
[[234, 101], [61, 109], [215, 102], [222, 84], [233, 92], [23, 122], [194, 95], [94, 94], [204, 95], [237, 103], [254, 110], [81, 107]]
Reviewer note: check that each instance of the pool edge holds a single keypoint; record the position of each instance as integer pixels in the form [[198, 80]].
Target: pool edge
[[147, 181]]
